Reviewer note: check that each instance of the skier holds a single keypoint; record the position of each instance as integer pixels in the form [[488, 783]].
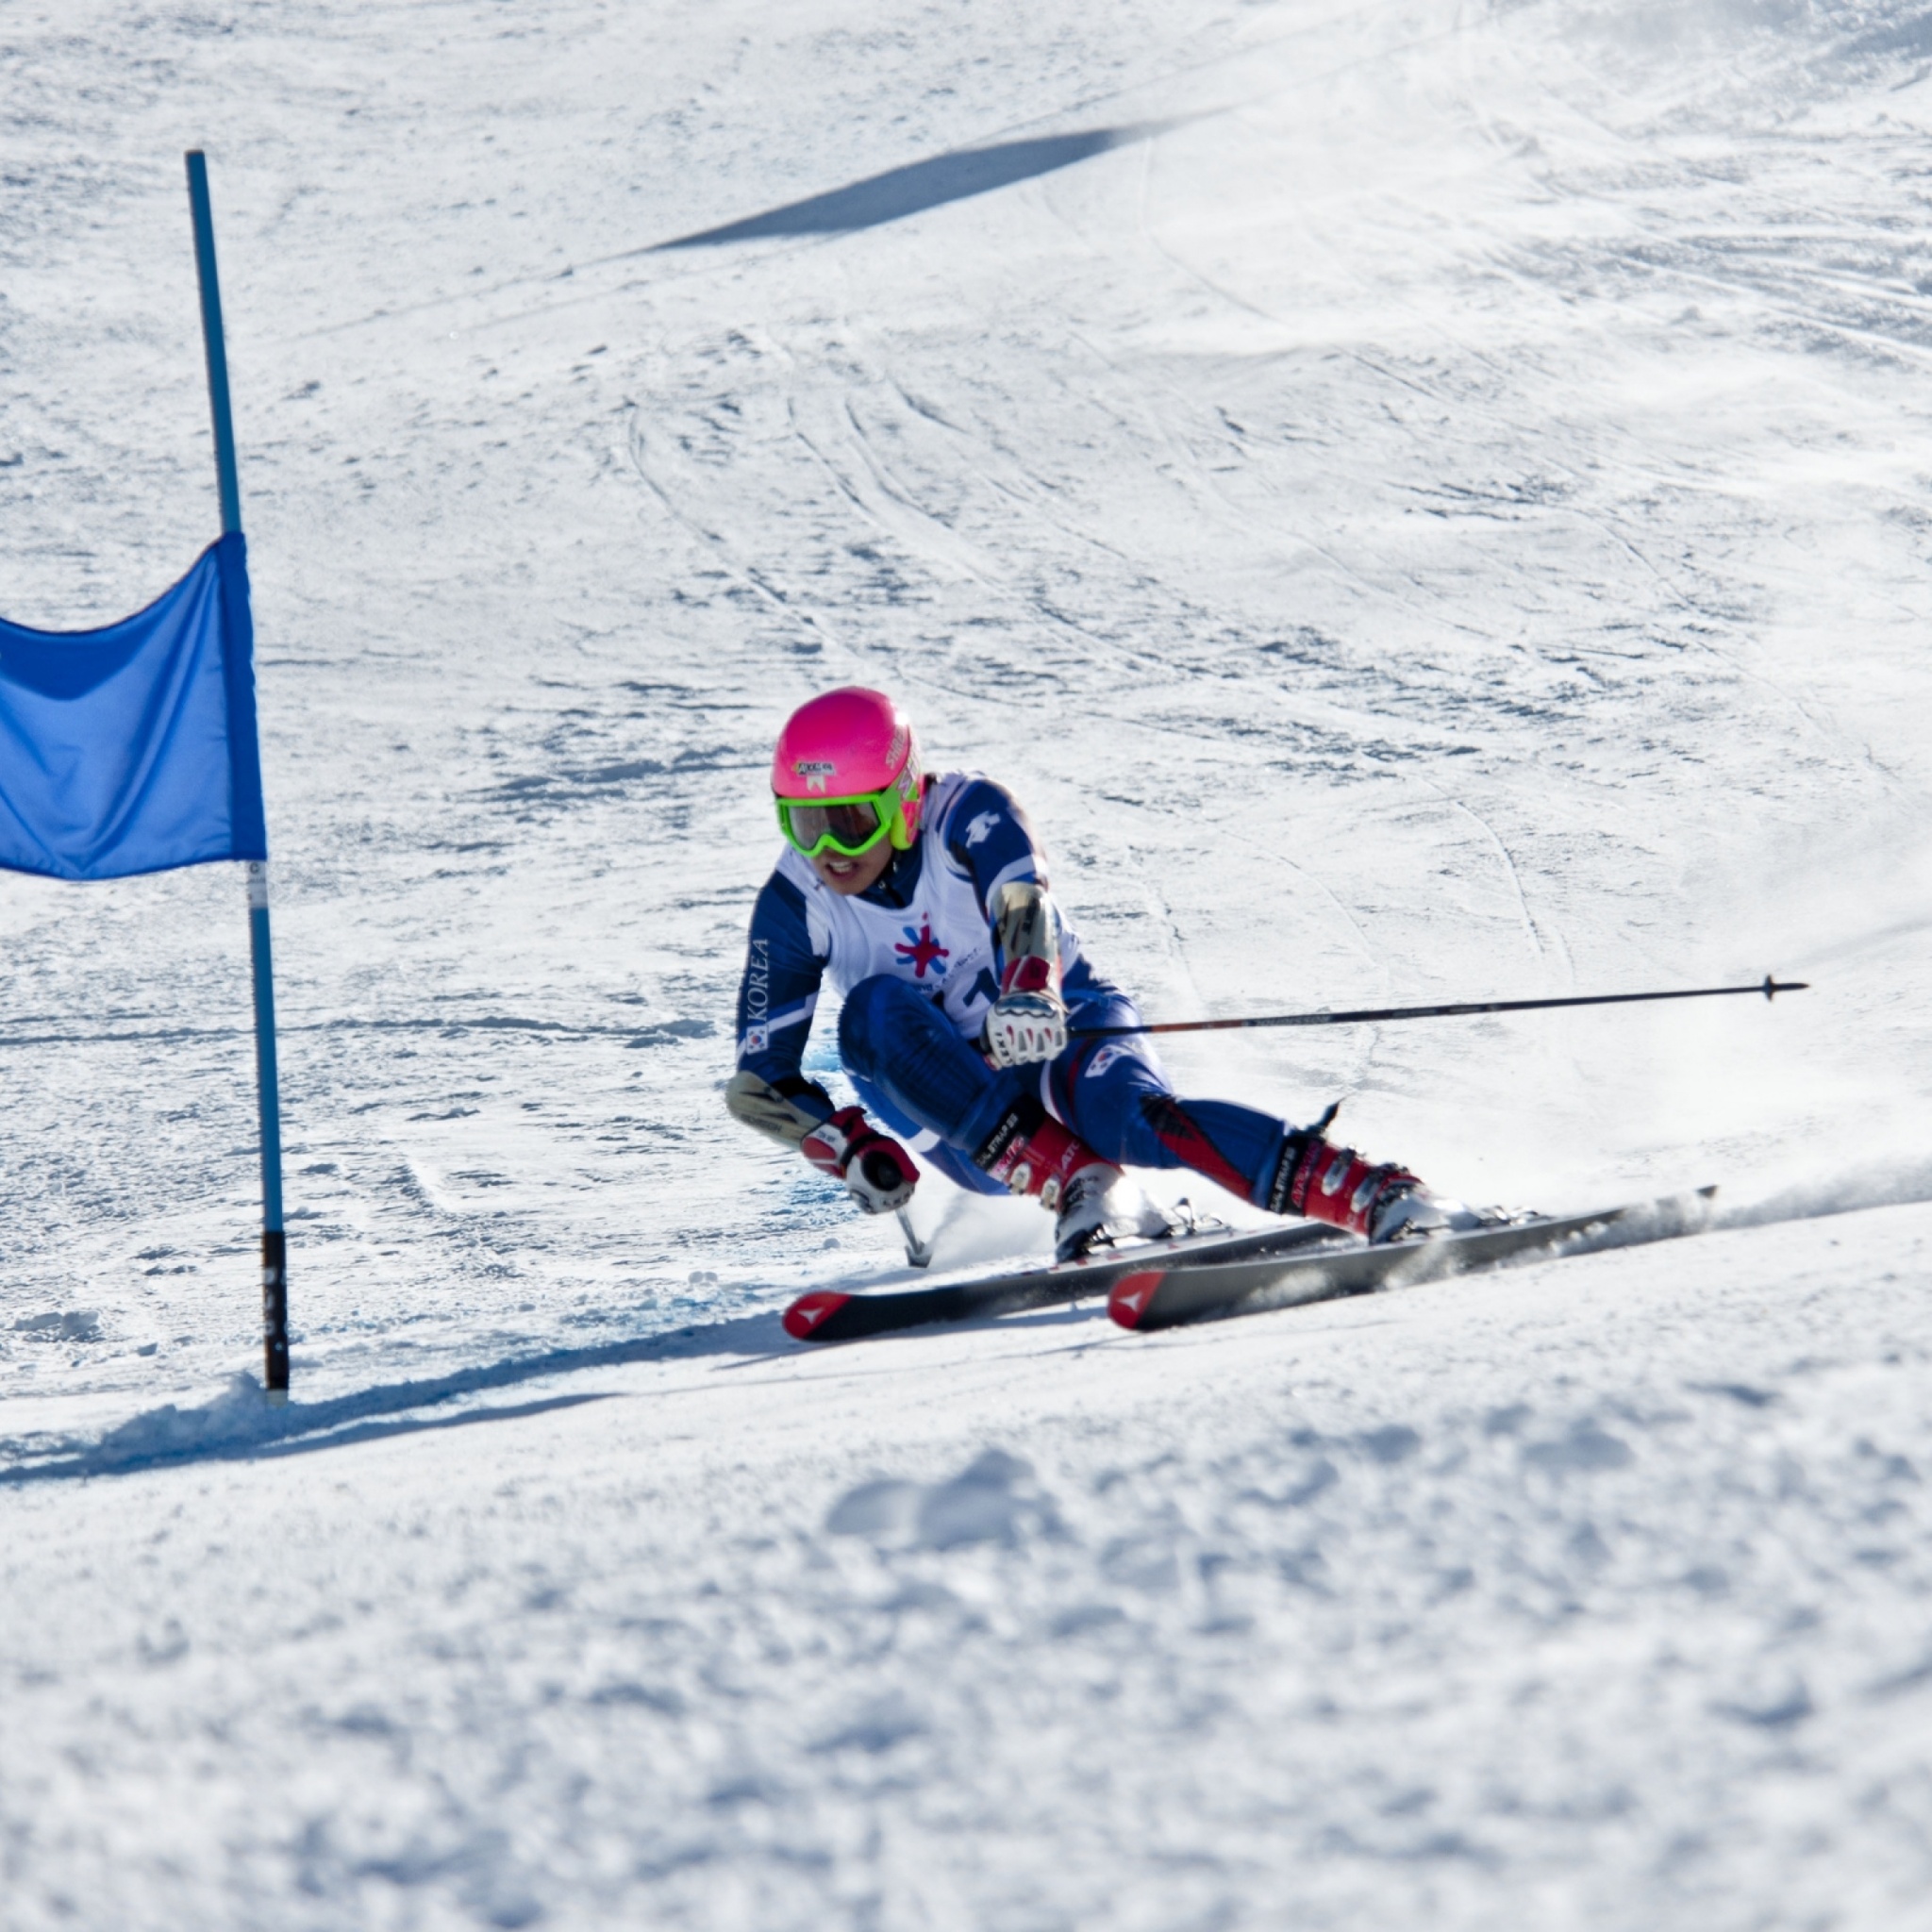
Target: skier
[[925, 900]]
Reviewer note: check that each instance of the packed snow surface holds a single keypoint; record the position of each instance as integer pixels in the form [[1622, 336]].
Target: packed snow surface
[[1423, 501]]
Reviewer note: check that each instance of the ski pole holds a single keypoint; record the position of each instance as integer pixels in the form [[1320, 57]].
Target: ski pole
[[918, 1253], [1768, 987]]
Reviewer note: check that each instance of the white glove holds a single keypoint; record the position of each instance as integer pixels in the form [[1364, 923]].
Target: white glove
[[1029, 1022], [1022, 1027]]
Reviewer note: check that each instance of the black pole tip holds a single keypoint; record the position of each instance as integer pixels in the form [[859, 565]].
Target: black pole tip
[[1777, 985]]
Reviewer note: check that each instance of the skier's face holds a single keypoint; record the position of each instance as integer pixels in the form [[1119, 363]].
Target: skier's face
[[850, 875]]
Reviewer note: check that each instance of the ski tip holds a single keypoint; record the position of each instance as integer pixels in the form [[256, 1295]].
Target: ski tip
[[1131, 1295], [807, 1315]]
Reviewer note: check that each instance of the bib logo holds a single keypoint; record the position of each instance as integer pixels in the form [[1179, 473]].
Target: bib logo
[[920, 950], [815, 771]]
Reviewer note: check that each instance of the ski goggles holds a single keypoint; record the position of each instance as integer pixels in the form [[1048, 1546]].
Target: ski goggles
[[849, 827]]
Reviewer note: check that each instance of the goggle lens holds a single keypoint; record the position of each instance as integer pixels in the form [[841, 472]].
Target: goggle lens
[[850, 826]]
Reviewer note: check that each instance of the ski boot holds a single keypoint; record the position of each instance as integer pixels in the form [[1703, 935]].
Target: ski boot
[[1338, 1187], [1093, 1201]]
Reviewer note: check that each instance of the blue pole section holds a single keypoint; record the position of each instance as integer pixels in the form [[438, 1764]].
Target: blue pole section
[[275, 1253], [214, 342]]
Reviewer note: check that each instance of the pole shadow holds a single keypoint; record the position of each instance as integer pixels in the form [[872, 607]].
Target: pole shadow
[[921, 185], [377, 1432]]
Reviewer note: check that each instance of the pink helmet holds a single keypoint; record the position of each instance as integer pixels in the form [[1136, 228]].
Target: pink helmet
[[847, 744]]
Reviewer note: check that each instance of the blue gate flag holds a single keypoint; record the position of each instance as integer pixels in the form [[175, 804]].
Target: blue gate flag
[[133, 749]]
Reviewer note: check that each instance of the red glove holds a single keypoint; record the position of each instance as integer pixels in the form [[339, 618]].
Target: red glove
[[878, 1170]]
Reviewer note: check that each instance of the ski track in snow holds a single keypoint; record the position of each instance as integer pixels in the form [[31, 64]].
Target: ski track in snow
[[1440, 506]]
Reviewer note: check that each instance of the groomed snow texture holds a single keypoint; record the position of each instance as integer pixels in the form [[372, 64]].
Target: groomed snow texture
[[1425, 500]]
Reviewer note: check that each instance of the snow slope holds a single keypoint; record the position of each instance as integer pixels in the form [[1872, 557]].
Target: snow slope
[[1423, 501]]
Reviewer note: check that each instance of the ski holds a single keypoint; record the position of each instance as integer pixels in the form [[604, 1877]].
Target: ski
[[830, 1314], [1155, 1296]]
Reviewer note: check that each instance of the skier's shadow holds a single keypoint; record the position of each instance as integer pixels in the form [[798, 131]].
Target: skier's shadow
[[241, 1427]]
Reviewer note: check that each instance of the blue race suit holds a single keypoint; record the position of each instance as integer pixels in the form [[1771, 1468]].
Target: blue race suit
[[917, 961]]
